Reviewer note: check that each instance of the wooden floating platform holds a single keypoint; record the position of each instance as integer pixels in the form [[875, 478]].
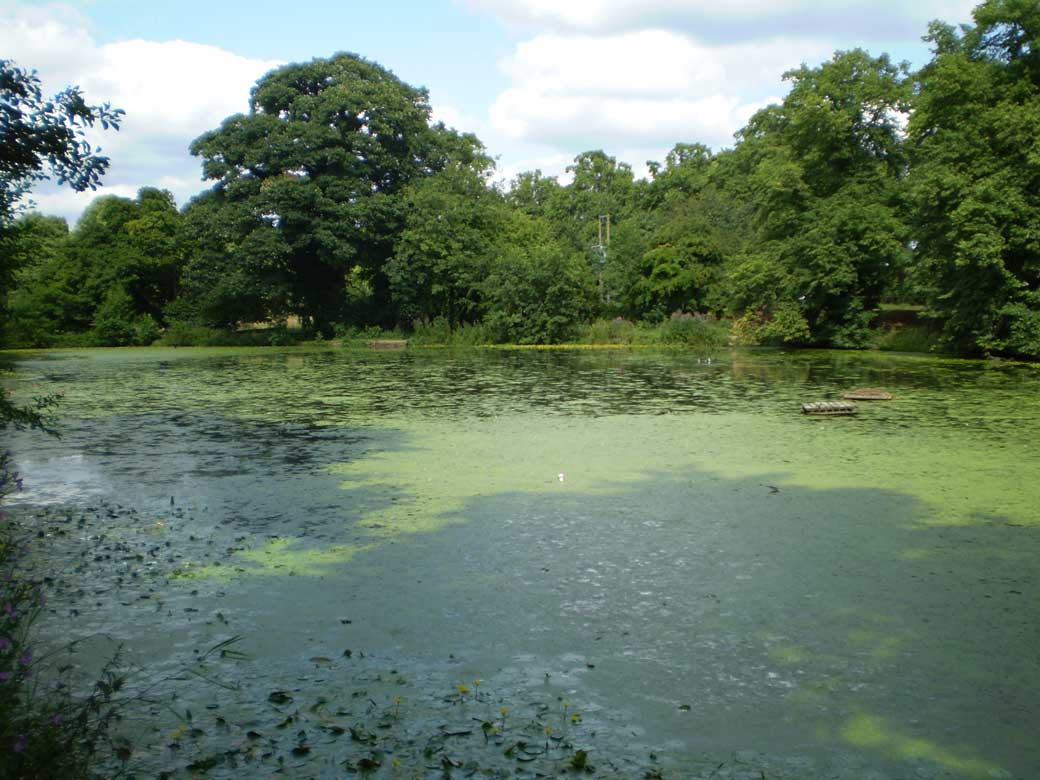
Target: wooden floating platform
[[388, 344], [868, 394], [829, 408]]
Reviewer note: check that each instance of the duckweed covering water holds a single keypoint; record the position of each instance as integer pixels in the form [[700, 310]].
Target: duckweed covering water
[[657, 542]]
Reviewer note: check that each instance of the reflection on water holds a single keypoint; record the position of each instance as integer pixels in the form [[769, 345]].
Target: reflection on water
[[716, 573]]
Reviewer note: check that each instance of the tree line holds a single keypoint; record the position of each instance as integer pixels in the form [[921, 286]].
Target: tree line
[[336, 201]]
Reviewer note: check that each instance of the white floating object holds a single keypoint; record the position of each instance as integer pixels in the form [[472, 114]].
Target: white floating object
[[560, 477]]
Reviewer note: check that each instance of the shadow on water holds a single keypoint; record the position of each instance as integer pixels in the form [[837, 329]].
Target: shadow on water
[[795, 621], [705, 620]]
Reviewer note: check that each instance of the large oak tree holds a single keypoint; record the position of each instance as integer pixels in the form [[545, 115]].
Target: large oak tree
[[308, 189]]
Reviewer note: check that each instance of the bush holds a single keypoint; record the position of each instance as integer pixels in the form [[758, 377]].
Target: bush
[[146, 330], [615, 331], [693, 331], [1017, 331], [279, 336], [908, 338], [113, 324], [783, 325], [182, 334], [440, 333]]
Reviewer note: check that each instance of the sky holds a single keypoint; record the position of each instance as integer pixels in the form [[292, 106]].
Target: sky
[[538, 81]]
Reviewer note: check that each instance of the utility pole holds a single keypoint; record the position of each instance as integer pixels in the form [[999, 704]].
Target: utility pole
[[600, 247]]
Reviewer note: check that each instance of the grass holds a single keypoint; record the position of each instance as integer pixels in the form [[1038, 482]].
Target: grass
[[908, 338], [682, 330], [183, 335]]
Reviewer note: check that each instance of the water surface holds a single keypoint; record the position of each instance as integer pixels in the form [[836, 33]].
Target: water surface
[[658, 542]]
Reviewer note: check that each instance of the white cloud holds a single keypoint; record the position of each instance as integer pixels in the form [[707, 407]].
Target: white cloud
[[455, 118], [52, 39], [644, 89], [554, 165], [171, 91], [641, 75], [731, 20]]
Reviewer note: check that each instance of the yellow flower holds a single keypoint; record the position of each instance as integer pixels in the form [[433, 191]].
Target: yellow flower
[[463, 688], [477, 682], [575, 718], [504, 711]]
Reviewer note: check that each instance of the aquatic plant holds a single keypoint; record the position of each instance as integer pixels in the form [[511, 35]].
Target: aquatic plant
[[47, 730]]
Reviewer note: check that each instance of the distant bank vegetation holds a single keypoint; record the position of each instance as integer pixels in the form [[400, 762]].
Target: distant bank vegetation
[[336, 202]]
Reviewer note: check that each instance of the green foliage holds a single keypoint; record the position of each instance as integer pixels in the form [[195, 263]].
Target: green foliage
[[537, 290], [440, 333], [113, 276], [783, 324], [908, 338], [615, 331], [113, 321], [680, 270], [693, 331], [39, 296], [1017, 329], [336, 200], [446, 245], [823, 173], [186, 334], [975, 180], [308, 186], [41, 137]]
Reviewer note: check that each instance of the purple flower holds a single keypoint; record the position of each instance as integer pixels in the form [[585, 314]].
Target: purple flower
[[20, 743], [56, 720], [5, 676], [5, 643], [11, 611], [26, 658]]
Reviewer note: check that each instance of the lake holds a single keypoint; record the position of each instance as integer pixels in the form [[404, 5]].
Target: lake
[[651, 561]]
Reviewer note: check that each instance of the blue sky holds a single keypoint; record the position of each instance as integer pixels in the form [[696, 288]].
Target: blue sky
[[539, 81], [436, 41]]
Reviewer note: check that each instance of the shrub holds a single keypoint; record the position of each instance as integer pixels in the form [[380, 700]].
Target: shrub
[[908, 338], [615, 331], [441, 334]]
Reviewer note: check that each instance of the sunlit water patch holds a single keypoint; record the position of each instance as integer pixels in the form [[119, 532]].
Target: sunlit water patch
[[712, 581]]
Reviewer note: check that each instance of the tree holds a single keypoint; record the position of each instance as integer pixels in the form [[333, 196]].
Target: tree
[[446, 245], [823, 173], [602, 187], [40, 138], [533, 193], [40, 296], [538, 289], [308, 184], [975, 179], [122, 251]]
